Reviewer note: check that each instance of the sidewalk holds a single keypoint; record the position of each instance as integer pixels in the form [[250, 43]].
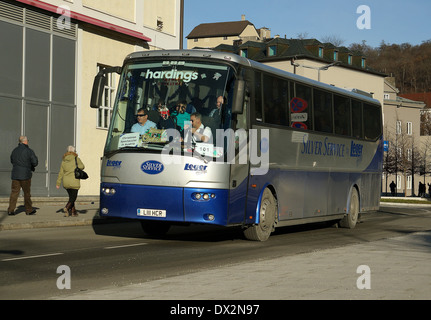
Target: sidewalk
[[49, 213]]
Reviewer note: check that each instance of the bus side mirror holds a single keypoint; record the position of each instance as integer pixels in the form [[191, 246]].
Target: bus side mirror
[[97, 92], [238, 103], [99, 86]]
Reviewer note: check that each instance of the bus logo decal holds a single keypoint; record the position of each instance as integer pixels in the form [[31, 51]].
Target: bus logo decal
[[152, 167], [197, 168]]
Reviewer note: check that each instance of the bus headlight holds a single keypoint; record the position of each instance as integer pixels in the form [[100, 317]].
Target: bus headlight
[[201, 196], [108, 191]]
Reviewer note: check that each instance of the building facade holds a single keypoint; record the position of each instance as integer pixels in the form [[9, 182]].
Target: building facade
[[55, 48], [406, 152]]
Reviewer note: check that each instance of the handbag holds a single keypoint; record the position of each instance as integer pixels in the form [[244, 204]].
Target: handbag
[[79, 173]]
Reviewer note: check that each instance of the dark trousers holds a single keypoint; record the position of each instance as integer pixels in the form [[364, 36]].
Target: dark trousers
[[15, 189], [73, 194]]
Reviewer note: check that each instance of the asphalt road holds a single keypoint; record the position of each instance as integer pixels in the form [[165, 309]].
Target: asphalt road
[[117, 255]]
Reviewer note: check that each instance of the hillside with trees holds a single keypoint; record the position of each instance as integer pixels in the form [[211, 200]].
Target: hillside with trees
[[409, 64]]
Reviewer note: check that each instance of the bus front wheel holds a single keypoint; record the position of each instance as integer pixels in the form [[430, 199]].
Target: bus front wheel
[[351, 219], [267, 216]]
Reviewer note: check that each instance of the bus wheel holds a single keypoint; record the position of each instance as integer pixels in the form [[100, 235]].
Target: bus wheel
[[155, 228], [268, 213], [351, 219]]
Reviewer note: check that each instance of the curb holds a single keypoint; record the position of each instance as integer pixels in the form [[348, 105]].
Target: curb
[[72, 222]]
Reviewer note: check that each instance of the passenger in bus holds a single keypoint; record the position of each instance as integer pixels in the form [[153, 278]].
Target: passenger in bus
[[200, 133], [143, 124], [165, 121], [181, 114], [216, 112]]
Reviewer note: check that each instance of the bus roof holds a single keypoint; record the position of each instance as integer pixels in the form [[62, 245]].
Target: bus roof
[[231, 57]]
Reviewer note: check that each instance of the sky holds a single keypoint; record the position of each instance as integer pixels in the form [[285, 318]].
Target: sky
[[353, 21]]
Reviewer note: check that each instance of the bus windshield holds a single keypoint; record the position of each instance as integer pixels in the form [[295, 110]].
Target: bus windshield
[[163, 102]]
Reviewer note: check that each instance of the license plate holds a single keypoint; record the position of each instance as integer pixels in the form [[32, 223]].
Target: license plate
[[155, 213]]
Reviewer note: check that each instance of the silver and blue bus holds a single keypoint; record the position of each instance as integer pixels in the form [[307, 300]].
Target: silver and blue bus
[[284, 150]]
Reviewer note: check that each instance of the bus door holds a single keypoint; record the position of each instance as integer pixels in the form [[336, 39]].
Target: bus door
[[239, 169]]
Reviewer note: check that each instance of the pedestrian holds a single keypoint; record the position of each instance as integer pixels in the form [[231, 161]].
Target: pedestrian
[[70, 183], [24, 161], [393, 186]]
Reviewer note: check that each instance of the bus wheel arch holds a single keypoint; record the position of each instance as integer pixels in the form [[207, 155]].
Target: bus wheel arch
[[268, 217], [353, 209]]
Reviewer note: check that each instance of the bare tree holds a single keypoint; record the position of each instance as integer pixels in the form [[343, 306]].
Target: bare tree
[[334, 39]]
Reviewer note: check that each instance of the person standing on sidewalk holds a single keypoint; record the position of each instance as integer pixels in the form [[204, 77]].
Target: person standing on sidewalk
[[24, 161], [70, 183]]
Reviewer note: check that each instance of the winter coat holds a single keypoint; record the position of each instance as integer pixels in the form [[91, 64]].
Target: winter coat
[[24, 161], [67, 171]]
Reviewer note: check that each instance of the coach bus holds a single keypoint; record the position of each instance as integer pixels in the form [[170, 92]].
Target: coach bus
[[283, 149]]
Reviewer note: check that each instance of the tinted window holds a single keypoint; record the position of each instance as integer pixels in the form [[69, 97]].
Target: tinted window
[[342, 118], [322, 111], [300, 108], [357, 119], [372, 122], [258, 96], [275, 95]]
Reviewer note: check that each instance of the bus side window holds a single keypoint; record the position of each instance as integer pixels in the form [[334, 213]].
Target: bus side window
[[258, 97], [300, 108], [372, 122], [357, 131], [274, 97], [322, 111], [342, 115]]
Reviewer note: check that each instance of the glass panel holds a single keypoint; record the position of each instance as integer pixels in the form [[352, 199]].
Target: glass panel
[[166, 94], [323, 111], [300, 108], [357, 119], [342, 115], [275, 100], [372, 122]]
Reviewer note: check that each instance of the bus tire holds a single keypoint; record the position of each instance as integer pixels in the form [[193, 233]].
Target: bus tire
[[155, 228], [351, 219], [268, 214]]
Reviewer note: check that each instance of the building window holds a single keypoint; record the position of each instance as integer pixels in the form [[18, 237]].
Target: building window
[[349, 59], [409, 182], [104, 113], [386, 96], [159, 24], [320, 52], [335, 55], [399, 183], [409, 128], [244, 53], [363, 62], [272, 51], [409, 154], [398, 127]]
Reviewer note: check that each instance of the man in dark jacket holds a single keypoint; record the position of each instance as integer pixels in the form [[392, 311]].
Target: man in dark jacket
[[24, 161]]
